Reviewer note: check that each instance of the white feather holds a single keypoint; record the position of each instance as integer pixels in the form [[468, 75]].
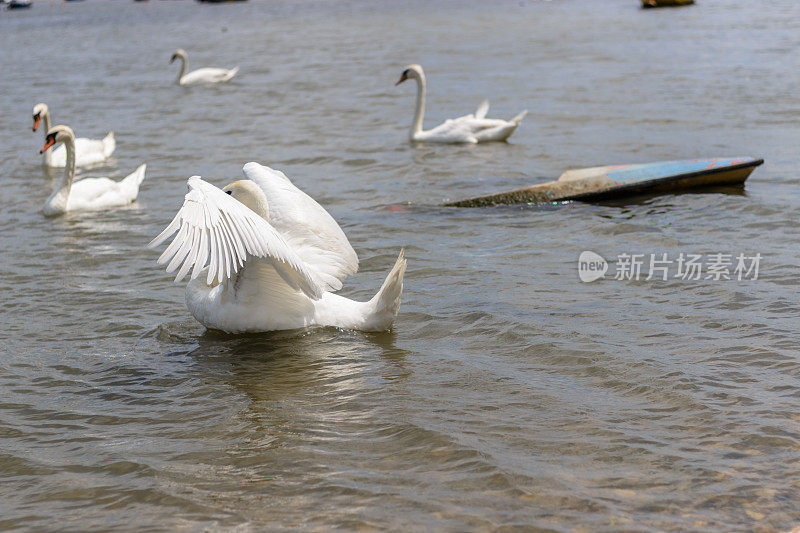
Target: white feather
[[472, 128], [282, 263], [306, 225], [208, 215]]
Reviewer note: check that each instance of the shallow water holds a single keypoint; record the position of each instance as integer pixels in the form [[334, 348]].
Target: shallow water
[[509, 393]]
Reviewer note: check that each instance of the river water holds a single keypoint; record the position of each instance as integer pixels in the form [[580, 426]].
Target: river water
[[509, 393]]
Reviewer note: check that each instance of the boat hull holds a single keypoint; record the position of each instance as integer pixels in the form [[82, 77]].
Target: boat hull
[[19, 4], [666, 3], [612, 182]]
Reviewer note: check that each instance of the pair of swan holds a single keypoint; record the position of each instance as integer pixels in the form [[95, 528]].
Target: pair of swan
[[87, 151], [264, 256], [201, 76], [473, 128], [88, 193]]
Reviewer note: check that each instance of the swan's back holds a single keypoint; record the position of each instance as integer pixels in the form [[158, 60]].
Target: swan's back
[[450, 131], [208, 75], [87, 151], [99, 193]]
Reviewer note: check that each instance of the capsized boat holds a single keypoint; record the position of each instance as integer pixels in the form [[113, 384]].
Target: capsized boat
[[666, 3], [617, 181]]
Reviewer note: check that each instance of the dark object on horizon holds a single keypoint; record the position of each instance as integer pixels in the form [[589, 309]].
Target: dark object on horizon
[[19, 4], [666, 3], [612, 182]]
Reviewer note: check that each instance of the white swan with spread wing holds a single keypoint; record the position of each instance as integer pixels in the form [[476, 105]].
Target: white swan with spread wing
[[473, 128], [87, 151], [201, 76], [87, 194], [265, 256]]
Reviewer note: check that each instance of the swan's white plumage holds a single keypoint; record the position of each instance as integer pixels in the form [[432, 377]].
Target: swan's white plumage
[[473, 128], [482, 109], [213, 226], [87, 151], [88, 193], [201, 76], [207, 76], [267, 257], [306, 226]]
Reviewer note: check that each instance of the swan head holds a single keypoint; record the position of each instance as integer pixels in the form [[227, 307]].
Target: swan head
[[179, 53], [413, 71], [251, 195], [57, 134], [39, 110]]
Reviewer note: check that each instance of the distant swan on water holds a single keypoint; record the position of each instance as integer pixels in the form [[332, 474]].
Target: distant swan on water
[[201, 76], [265, 256], [88, 193], [473, 128], [87, 151]]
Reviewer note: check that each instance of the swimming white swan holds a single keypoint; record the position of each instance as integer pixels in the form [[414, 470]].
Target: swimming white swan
[[88, 193], [201, 76], [87, 151], [266, 256], [473, 128]]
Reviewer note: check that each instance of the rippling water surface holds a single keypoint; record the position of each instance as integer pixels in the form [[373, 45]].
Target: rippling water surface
[[509, 393]]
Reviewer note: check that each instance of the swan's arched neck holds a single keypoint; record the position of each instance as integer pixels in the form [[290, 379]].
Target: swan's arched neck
[[183, 66], [419, 114], [48, 154], [57, 203]]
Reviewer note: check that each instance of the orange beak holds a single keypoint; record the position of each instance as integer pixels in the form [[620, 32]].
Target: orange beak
[[50, 142], [36, 121], [401, 80]]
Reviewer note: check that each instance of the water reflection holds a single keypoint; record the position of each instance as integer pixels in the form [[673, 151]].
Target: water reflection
[[647, 199], [511, 394], [286, 363]]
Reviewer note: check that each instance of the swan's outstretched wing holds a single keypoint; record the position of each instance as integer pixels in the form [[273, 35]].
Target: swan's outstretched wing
[[217, 230], [311, 232]]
